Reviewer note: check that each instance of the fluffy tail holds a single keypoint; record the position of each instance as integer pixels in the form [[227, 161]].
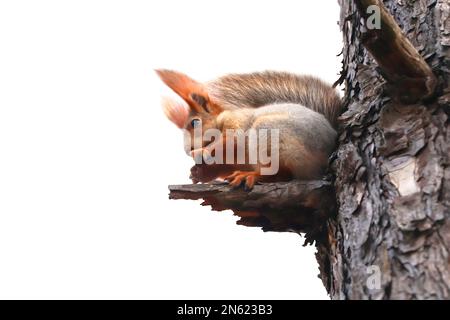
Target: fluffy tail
[[254, 90]]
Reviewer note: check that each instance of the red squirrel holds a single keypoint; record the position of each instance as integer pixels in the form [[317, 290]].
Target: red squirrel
[[301, 110]]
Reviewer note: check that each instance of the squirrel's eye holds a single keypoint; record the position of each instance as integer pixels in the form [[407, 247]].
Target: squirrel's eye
[[195, 123]]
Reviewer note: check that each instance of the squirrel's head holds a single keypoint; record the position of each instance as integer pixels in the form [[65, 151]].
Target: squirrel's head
[[198, 111]]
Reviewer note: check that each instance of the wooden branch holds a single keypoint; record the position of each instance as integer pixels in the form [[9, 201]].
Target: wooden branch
[[297, 206], [408, 75]]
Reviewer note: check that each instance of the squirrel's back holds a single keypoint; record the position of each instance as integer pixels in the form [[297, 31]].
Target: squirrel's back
[[258, 89]]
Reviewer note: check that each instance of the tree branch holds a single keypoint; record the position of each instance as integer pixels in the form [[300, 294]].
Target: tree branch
[[408, 75], [297, 206]]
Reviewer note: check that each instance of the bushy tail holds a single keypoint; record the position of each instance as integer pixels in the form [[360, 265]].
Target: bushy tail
[[257, 89]]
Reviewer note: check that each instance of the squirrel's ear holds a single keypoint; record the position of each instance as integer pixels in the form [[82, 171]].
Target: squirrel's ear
[[193, 92], [176, 111]]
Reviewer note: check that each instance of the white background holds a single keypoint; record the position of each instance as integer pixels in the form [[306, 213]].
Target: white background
[[86, 154]]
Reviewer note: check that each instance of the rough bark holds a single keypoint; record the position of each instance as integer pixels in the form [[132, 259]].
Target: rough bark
[[295, 206], [390, 237], [392, 177]]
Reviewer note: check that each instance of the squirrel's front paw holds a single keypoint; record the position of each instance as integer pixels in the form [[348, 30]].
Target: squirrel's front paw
[[196, 173], [201, 173], [238, 177], [209, 172]]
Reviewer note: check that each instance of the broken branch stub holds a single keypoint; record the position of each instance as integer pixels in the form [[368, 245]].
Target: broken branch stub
[[409, 77]]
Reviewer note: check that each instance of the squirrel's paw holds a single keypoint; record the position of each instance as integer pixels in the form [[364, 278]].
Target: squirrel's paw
[[238, 177], [204, 173], [199, 174]]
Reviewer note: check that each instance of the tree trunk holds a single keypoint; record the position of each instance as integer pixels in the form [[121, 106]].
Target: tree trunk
[[391, 236]]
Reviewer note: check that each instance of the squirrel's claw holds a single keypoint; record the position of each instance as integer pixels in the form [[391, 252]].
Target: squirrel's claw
[[250, 182], [193, 179], [238, 177]]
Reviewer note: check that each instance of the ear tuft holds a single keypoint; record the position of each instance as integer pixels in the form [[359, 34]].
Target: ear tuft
[[184, 86], [175, 110]]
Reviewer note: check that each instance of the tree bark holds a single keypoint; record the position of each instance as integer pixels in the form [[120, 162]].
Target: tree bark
[[391, 236], [294, 206]]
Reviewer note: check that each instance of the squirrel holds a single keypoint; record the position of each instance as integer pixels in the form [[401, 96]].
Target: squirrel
[[304, 110]]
